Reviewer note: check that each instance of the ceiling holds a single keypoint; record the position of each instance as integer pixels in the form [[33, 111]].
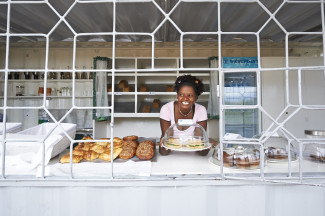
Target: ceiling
[[148, 17]]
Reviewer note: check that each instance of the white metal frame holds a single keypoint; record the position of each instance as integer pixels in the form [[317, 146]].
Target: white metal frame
[[222, 71]]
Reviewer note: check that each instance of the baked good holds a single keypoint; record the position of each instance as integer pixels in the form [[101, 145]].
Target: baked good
[[75, 158], [78, 152], [228, 160], [85, 138], [107, 141], [127, 153], [156, 103], [107, 154], [131, 138], [143, 88], [150, 142], [91, 155], [146, 109], [169, 88], [130, 143], [145, 151], [174, 143], [82, 146], [109, 88], [242, 162], [127, 88], [122, 84], [97, 148]]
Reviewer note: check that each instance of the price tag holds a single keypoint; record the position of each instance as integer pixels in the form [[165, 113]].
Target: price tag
[[118, 93], [185, 122], [152, 93]]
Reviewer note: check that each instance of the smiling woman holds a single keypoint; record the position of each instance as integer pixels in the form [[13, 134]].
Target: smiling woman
[[188, 89]]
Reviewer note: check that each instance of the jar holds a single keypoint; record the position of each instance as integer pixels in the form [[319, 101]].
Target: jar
[[40, 91], [19, 90], [315, 149]]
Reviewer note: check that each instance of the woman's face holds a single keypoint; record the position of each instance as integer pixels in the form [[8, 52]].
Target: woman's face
[[186, 97]]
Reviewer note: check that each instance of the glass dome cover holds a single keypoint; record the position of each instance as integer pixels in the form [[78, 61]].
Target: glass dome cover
[[186, 137], [238, 156]]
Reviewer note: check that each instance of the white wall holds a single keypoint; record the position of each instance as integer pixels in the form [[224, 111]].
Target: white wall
[[274, 98]]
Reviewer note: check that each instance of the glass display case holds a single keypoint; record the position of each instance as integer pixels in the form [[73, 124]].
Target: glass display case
[[186, 136], [238, 156]]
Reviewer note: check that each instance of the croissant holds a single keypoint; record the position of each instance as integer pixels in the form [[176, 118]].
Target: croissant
[[107, 154], [82, 146], [97, 148], [91, 155], [75, 158], [78, 152]]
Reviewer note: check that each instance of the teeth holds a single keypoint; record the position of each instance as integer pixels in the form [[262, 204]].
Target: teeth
[[185, 103]]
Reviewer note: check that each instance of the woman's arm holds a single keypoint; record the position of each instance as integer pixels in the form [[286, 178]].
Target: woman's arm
[[164, 125]]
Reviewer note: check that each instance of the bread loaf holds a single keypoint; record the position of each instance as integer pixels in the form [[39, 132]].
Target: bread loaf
[[146, 109], [145, 151], [122, 84], [143, 88], [156, 103]]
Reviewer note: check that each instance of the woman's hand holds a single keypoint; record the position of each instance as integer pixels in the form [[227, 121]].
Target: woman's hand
[[163, 150]]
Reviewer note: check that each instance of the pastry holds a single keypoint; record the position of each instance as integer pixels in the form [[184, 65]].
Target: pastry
[[242, 162], [169, 88], [86, 138], [97, 148], [91, 155], [103, 143], [131, 138], [78, 152], [146, 109], [143, 88], [156, 103], [228, 160], [109, 88], [107, 154], [75, 158], [82, 146], [127, 88], [127, 152], [145, 151], [122, 84], [133, 144]]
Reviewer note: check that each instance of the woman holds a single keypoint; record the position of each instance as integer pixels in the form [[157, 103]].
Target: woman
[[188, 89]]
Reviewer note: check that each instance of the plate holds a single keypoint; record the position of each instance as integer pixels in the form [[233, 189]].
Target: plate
[[184, 148]]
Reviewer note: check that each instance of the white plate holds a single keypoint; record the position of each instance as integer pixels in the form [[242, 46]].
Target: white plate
[[186, 149]]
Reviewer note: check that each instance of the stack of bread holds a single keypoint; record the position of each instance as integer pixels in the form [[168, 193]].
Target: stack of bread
[[125, 148]]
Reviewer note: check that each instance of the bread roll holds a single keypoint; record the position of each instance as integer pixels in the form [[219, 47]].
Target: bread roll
[[143, 88], [145, 151], [127, 153], [127, 88], [169, 88], [156, 103], [122, 84], [146, 109], [131, 138], [133, 144]]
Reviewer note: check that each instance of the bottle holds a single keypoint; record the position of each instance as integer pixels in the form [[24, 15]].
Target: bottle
[[43, 116]]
